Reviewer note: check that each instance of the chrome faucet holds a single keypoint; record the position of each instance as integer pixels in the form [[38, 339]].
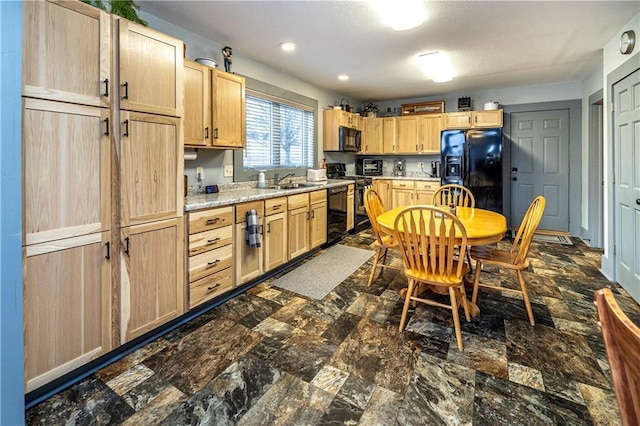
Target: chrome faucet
[[277, 181]]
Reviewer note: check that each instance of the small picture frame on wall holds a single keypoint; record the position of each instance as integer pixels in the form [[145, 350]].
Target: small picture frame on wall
[[464, 104]]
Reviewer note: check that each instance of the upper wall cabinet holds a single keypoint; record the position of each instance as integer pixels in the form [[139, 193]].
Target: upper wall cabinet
[[70, 52], [228, 108], [197, 104], [151, 68], [473, 119]]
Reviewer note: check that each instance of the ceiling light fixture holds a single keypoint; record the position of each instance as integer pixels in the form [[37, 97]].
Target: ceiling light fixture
[[401, 15], [436, 66], [343, 77], [288, 46]]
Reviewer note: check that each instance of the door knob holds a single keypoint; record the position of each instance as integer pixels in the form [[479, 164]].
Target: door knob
[[638, 201], [514, 179]]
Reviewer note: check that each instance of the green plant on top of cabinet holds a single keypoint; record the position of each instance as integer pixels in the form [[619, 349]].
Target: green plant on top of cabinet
[[52, 30], [151, 69]]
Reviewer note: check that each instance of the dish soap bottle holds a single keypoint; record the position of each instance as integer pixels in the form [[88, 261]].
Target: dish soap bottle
[[324, 163], [261, 182]]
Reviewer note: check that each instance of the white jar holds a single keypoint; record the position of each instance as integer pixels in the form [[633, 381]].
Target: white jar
[[261, 181]]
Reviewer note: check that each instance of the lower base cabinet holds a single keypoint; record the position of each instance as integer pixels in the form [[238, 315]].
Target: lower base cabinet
[[317, 219], [275, 233], [67, 302], [249, 260], [152, 276], [298, 225]]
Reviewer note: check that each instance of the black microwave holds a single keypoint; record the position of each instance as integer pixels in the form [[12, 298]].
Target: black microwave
[[349, 139]]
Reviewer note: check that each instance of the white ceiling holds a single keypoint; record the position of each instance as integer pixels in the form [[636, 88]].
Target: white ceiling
[[491, 44]]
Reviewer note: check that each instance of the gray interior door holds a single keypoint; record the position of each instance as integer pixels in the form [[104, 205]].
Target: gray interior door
[[626, 127], [540, 166]]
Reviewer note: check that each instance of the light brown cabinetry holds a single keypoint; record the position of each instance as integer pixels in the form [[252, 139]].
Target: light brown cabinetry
[[151, 69], [298, 224], [333, 119], [197, 104], [66, 298], [228, 108], [249, 260], [317, 219], [430, 127], [372, 136], [407, 134], [383, 188], [210, 254], [275, 233], [473, 119], [408, 192], [152, 276], [150, 164], [351, 207], [53, 30], [389, 135]]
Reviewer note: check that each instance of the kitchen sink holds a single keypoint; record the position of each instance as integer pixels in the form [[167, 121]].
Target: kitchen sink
[[294, 185]]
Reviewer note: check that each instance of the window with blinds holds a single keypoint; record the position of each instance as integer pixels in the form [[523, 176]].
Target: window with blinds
[[279, 134]]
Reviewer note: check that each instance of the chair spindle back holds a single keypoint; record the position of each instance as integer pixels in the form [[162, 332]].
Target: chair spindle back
[[522, 242], [457, 195]]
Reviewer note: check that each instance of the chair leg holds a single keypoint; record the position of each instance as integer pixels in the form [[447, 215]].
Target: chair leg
[[375, 264], [456, 317], [469, 261], [465, 303], [405, 308], [525, 296], [476, 281], [382, 262]]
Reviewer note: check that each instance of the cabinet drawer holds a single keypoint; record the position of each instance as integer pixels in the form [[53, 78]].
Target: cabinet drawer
[[210, 262], [242, 209], [427, 185], [402, 184], [210, 219], [275, 205], [317, 196], [297, 201], [209, 287], [209, 240]]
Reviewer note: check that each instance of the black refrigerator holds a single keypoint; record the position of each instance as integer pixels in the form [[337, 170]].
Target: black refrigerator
[[473, 158]]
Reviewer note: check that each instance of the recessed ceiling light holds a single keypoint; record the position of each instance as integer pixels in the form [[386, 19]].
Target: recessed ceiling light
[[343, 77], [401, 15], [288, 46], [436, 66]]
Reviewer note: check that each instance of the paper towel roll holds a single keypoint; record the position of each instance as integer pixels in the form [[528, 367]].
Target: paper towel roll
[[190, 155]]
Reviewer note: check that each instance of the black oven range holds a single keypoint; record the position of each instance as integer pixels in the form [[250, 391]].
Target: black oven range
[[339, 171]]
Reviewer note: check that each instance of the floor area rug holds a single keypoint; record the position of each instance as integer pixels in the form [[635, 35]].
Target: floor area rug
[[545, 238], [317, 277]]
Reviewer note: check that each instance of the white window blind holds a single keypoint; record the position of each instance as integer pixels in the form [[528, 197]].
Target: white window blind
[[279, 134]]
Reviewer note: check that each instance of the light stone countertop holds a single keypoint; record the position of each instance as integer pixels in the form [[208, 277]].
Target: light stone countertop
[[242, 194]]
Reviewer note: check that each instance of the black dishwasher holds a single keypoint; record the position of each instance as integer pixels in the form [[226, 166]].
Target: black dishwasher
[[336, 214]]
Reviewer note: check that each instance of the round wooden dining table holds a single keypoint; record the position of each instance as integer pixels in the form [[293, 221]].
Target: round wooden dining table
[[482, 226]]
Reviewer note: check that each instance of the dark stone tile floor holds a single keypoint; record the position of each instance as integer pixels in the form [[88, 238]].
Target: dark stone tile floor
[[270, 356]]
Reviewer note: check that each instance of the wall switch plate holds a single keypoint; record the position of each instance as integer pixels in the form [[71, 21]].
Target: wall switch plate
[[420, 164], [228, 171], [200, 173]]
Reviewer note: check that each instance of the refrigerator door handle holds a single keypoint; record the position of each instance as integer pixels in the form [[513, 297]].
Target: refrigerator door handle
[[465, 165]]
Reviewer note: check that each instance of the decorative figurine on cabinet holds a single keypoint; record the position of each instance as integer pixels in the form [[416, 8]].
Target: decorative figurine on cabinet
[[228, 58]]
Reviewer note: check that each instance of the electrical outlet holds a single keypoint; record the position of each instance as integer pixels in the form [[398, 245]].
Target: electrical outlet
[[228, 171], [420, 165], [200, 173]]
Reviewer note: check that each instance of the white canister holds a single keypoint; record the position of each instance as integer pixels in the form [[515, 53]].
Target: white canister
[[261, 182], [491, 105]]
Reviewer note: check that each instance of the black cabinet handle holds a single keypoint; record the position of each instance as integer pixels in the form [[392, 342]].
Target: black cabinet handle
[[126, 245], [215, 133], [215, 240], [126, 128], [106, 87], [106, 126], [206, 132], [215, 262], [108, 256], [212, 221], [213, 287], [126, 90]]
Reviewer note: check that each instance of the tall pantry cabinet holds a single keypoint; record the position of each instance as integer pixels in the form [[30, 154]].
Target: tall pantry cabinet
[[102, 231]]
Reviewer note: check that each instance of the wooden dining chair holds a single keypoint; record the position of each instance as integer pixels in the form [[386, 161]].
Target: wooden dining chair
[[430, 241], [622, 341], [515, 258], [374, 208], [457, 195]]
